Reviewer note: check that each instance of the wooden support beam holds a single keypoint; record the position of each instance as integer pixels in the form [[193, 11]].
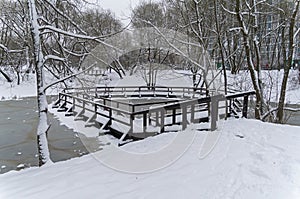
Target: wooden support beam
[[92, 118], [144, 122], [192, 113], [174, 116], [162, 120], [214, 113], [131, 125], [157, 118], [110, 117], [80, 112], [69, 111], [184, 117], [245, 106], [230, 108]]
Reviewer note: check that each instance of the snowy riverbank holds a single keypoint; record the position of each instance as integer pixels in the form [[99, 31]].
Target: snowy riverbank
[[251, 160]]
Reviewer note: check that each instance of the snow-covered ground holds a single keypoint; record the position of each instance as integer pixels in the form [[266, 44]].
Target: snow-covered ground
[[250, 160], [27, 88], [272, 80]]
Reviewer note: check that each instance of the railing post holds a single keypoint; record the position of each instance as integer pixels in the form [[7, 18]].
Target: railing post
[[162, 120], [156, 118], [168, 95], [215, 111], [184, 117], [193, 113], [245, 106], [83, 106], [174, 116], [144, 122], [140, 92], [130, 124], [214, 115], [230, 108], [66, 99], [110, 117]]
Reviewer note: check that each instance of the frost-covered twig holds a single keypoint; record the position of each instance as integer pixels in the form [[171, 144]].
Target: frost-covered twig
[[75, 35]]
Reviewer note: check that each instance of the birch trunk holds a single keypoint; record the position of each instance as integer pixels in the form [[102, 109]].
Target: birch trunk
[[43, 126]]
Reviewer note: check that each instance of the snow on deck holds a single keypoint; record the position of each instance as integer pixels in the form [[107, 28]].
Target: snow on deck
[[250, 160]]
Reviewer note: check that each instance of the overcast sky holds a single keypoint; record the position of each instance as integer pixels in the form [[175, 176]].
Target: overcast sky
[[120, 7]]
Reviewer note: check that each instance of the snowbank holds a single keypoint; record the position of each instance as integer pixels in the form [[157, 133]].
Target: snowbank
[[251, 160]]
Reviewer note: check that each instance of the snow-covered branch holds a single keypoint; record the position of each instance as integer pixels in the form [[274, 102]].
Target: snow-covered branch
[[296, 33], [53, 57], [174, 47], [10, 51], [68, 77], [235, 29], [65, 16], [74, 35], [4, 47], [227, 10]]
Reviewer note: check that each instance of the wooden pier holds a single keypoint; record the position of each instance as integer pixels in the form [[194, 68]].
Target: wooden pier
[[139, 112]]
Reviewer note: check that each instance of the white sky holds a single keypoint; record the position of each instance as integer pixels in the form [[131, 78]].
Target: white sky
[[122, 8]]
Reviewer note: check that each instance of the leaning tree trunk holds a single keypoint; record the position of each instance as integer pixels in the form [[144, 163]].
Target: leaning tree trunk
[[255, 81], [287, 65], [5, 76], [42, 128]]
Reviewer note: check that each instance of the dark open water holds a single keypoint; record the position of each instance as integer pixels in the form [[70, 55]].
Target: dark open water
[[18, 145]]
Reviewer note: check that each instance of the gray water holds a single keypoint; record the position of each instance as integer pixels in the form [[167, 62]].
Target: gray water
[[18, 144]]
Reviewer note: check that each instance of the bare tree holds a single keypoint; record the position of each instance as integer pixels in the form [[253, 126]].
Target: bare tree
[[148, 11], [56, 38], [291, 24]]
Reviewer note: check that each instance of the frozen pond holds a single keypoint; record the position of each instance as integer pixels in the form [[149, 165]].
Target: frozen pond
[[18, 144]]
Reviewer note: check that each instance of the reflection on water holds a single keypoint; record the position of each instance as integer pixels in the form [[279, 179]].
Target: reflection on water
[[18, 145]]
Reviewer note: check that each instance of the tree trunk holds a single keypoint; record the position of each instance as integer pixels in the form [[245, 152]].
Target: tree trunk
[[43, 150], [251, 66], [287, 65], [5, 76], [220, 46]]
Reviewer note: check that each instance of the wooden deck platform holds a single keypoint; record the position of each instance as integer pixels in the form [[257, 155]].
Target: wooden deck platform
[[129, 112]]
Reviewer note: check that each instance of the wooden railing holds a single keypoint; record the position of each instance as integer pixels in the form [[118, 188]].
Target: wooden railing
[[100, 101], [141, 91]]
